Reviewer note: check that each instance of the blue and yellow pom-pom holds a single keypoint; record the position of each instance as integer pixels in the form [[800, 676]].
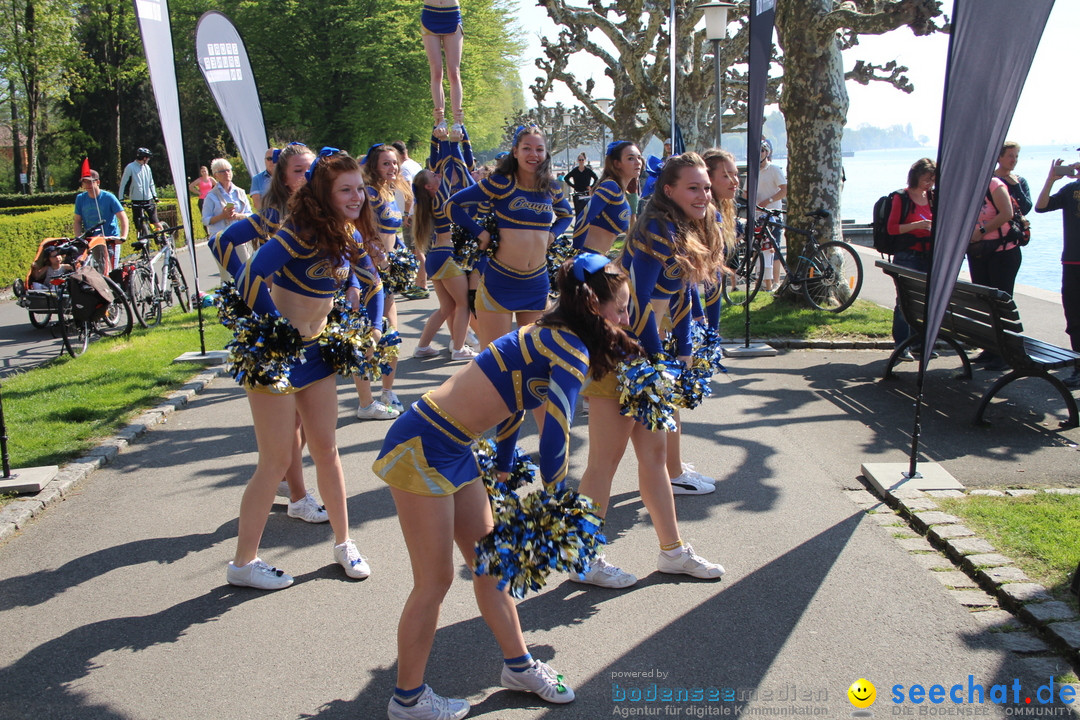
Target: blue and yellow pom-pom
[[467, 252], [388, 349], [229, 305], [263, 351], [400, 272], [346, 343], [560, 250], [646, 389]]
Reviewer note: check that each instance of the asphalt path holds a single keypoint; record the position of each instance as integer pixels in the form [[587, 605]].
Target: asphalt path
[[113, 604]]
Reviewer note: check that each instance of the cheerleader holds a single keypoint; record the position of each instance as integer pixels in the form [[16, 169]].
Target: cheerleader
[[674, 244], [530, 211], [428, 462], [608, 213], [447, 172], [308, 259], [440, 22], [383, 177]]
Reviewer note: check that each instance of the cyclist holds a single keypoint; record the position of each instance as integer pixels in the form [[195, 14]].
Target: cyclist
[[143, 193], [95, 205]]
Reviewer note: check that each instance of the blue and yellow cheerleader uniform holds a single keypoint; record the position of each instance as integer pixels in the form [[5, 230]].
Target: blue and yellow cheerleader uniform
[[451, 161], [440, 20], [608, 209], [427, 452]]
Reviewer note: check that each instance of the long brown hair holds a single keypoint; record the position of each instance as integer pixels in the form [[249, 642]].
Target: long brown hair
[[698, 248], [374, 178], [316, 223], [578, 310], [423, 210], [612, 157], [277, 196], [508, 166], [713, 158]]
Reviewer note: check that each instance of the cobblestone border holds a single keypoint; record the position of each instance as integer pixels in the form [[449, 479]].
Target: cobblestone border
[[15, 515], [1032, 625]]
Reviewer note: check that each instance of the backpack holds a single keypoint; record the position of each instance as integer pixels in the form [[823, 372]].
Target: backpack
[[90, 295], [885, 243], [1019, 227]]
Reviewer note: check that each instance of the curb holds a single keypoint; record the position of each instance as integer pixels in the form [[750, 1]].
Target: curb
[[15, 515], [976, 575]]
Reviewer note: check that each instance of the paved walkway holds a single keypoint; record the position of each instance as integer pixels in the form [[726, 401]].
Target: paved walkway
[[113, 603]]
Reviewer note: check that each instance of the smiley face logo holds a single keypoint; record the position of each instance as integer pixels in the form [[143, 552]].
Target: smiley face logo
[[862, 693]]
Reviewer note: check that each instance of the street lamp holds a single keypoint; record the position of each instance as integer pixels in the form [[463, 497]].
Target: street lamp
[[604, 106], [716, 30], [567, 118]]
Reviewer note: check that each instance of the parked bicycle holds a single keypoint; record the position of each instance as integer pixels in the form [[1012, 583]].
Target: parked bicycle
[[152, 281], [829, 274]]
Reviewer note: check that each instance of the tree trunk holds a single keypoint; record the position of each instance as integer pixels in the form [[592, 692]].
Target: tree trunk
[[33, 97], [814, 102], [16, 142]]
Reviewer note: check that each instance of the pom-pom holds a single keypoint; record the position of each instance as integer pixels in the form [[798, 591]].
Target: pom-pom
[[388, 349], [400, 273], [551, 530], [645, 392], [692, 386], [263, 351], [230, 306], [708, 351], [467, 250], [346, 343], [522, 472], [560, 250]]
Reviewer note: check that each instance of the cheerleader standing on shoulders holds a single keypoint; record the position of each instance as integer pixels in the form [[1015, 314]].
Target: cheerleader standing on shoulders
[[674, 244], [429, 464], [608, 213], [308, 259], [447, 172], [440, 23], [531, 211], [290, 165], [383, 178]]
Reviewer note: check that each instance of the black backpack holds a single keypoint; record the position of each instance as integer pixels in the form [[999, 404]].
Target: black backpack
[[90, 295], [885, 243]]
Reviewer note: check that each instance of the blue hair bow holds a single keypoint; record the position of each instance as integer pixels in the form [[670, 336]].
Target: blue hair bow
[[363, 161], [517, 133], [653, 166], [588, 263], [614, 145], [324, 153]]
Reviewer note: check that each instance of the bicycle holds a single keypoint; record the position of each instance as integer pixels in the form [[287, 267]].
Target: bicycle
[[141, 212], [152, 281], [829, 274], [76, 331]]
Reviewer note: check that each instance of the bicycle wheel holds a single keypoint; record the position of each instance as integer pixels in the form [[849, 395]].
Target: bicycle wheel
[[834, 277], [75, 334], [179, 284], [119, 318], [40, 319], [145, 302], [738, 294]]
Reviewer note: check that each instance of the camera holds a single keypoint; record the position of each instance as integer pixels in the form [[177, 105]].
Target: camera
[[1065, 170]]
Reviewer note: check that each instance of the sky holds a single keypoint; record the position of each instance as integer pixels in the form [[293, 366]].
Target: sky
[[1048, 112]]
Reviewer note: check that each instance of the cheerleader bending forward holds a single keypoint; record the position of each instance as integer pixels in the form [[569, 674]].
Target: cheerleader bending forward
[[428, 461]]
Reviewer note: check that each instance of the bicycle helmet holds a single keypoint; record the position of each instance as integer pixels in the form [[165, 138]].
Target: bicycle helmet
[[142, 153]]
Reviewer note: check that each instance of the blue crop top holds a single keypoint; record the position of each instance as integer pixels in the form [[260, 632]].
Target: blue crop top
[[608, 210], [294, 265], [452, 162], [365, 276], [255, 228], [530, 367], [515, 207], [388, 215], [649, 261]]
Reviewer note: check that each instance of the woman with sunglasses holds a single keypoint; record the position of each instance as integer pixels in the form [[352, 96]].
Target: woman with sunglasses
[[428, 462]]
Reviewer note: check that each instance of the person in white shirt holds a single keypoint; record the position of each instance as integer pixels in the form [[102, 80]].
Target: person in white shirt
[[772, 189], [224, 205]]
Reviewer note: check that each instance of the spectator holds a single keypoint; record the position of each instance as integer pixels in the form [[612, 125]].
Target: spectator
[[772, 189], [1068, 200], [224, 205], [993, 257], [261, 182], [202, 185], [582, 179], [143, 192], [1017, 186], [910, 220], [49, 265], [95, 205]]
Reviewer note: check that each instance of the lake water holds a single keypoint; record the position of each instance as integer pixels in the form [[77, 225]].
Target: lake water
[[873, 173]]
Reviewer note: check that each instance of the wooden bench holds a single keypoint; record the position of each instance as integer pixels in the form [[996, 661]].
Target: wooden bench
[[986, 318]]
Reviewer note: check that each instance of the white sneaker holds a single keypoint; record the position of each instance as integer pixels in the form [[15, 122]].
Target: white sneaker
[[426, 351], [687, 484], [465, 353], [604, 574], [689, 563], [258, 574], [457, 132], [350, 558], [390, 400], [309, 510], [283, 489], [471, 340], [539, 679], [429, 707], [376, 411], [688, 469]]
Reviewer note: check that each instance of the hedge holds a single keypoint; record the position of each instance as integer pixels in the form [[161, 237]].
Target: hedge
[[21, 233], [54, 198]]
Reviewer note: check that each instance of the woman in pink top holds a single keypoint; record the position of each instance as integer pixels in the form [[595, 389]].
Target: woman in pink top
[[202, 184], [993, 258]]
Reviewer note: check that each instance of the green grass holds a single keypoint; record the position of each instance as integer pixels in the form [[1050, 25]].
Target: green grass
[[771, 317], [1040, 532], [55, 412]]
